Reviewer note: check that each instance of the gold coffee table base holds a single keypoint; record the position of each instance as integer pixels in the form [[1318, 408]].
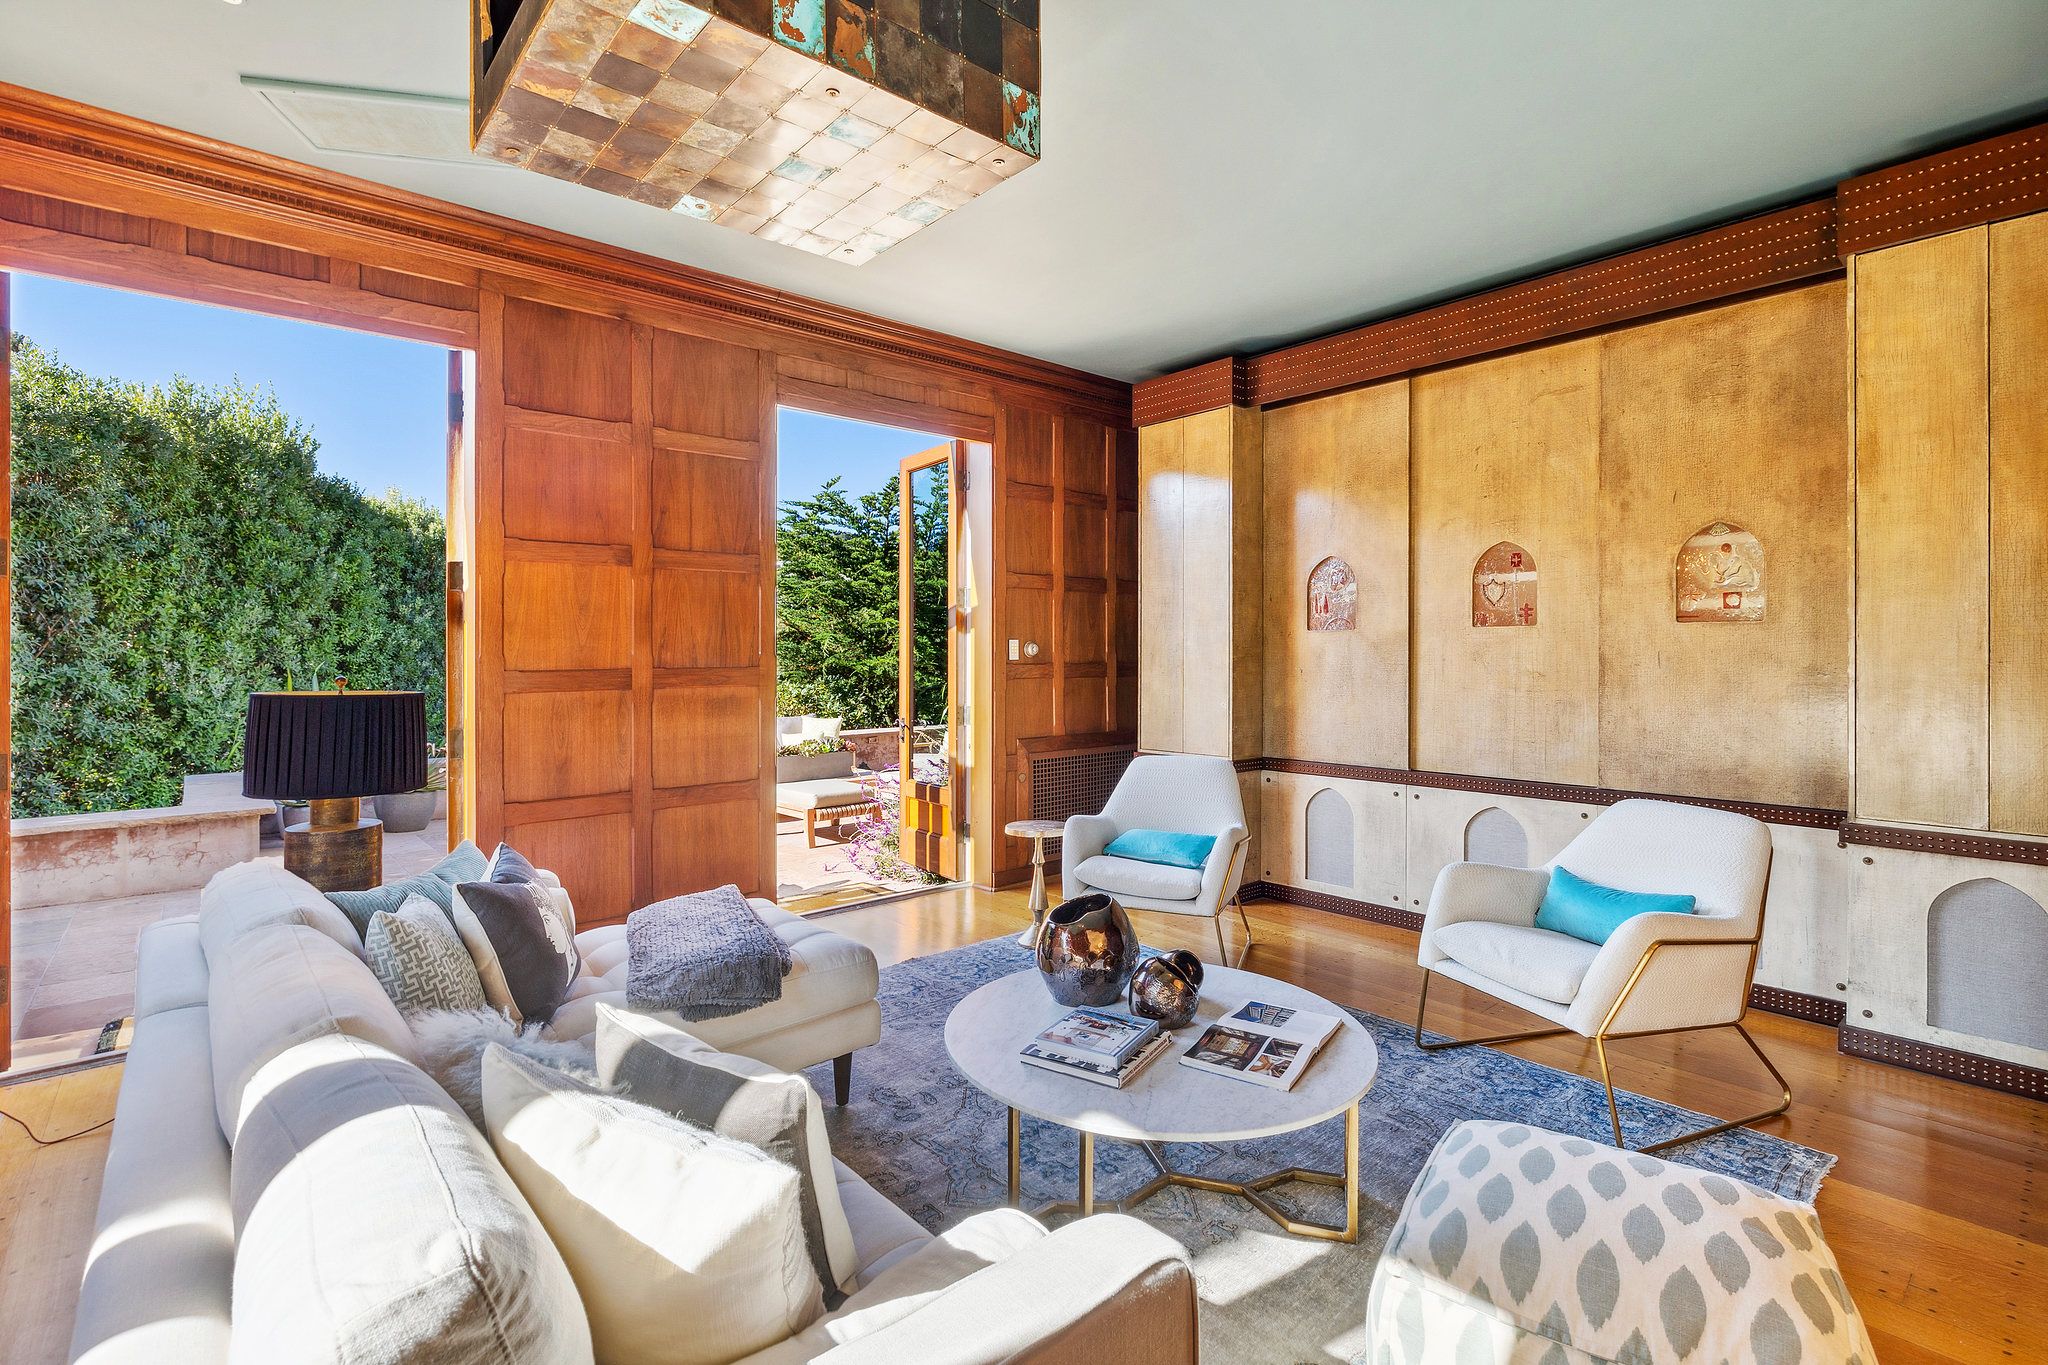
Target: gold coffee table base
[[1252, 1191]]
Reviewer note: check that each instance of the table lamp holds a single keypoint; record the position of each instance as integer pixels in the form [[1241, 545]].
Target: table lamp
[[330, 750]]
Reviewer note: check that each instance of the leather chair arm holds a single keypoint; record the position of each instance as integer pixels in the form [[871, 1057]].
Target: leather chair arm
[[1104, 1288]]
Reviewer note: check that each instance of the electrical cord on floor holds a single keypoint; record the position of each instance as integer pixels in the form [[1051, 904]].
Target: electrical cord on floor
[[39, 1140]]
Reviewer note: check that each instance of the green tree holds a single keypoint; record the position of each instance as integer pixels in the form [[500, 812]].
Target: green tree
[[175, 549], [835, 603]]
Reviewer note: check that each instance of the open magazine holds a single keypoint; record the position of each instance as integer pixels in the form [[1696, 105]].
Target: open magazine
[[1269, 1045]]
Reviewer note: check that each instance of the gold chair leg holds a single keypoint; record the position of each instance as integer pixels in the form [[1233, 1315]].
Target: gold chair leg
[[1614, 1110], [1450, 1043], [1223, 947], [1246, 921]]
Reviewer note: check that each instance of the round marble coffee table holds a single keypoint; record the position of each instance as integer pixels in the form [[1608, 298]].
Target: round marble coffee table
[[1168, 1102]]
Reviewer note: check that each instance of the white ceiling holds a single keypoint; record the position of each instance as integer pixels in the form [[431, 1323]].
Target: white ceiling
[[1219, 175]]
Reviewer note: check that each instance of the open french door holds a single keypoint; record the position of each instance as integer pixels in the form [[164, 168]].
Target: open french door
[[6, 676], [929, 770]]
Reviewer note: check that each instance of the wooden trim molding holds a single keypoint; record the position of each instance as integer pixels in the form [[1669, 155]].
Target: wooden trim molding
[[1992, 1073], [1948, 842], [2000, 177], [1281, 893], [1819, 1009], [57, 146], [1218, 384], [1803, 816]]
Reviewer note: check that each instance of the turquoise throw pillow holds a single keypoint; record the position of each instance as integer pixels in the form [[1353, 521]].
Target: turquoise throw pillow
[[1587, 910], [1160, 846], [464, 863]]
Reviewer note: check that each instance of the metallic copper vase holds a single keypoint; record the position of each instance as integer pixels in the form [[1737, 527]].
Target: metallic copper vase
[[1086, 950], [1167, 988]]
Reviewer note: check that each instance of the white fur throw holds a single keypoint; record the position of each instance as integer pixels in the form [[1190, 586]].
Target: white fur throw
[[452, 1044]]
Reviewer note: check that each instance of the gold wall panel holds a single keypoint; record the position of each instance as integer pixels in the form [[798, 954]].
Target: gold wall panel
[[2019, 525], [1922, 533], [1508, 449], [1336, 483], [1736, 414], [1162, 634]]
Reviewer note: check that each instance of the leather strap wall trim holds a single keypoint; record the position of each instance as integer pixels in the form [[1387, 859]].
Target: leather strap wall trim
[[1798, 1005], [1803, 816], [1281, 893], [2000, 177], [1955, 845], [1990, 1072], [1218, 384]]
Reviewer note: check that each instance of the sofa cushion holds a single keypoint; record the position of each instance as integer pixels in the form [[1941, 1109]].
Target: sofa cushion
[[687, 1247], [657, 1064], [1129, 877], [251, 895], [419, 961], [464, 863], [1548, 966], [278, 986], [377, 1228], [828, 973], [170, 967], [882, 1233], [823, 793], [157, 1278]]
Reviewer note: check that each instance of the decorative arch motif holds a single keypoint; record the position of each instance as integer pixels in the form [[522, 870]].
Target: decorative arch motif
[[1987, 962], [1504, 587], [1494, 836], [1326, 839], [1332, 596], [1720, 575]]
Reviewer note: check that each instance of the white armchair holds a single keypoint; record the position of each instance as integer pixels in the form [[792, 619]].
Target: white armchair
[[1182, 794], [1657, 973]]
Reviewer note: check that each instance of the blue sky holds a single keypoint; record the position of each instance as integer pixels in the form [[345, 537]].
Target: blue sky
[[377, 406]]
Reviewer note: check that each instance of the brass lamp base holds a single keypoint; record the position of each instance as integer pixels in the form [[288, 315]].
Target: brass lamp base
[[337, 850]]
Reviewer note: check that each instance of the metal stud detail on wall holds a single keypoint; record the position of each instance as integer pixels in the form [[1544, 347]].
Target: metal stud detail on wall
[[1504, 587], [1332, 596], [1719, 575]]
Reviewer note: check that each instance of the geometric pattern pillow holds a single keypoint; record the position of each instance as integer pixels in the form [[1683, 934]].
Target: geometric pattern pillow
[[419, 961], [464, 863], [1518, 1244]]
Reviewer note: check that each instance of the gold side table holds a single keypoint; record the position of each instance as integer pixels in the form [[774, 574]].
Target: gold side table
[[1037, 831]]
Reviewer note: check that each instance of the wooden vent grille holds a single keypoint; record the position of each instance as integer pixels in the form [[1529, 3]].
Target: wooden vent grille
[[1075, 784]]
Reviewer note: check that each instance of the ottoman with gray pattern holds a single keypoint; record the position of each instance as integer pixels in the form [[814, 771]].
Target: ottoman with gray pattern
[[1521, 1245]]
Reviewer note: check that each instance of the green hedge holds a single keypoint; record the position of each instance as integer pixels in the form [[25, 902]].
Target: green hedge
[[174, 549]]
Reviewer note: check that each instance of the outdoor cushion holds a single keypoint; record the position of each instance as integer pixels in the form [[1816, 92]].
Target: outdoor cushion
[[1164, 847], [822, 793], [1547, 965], [811, 767], [1590, 911], [1129, 877]]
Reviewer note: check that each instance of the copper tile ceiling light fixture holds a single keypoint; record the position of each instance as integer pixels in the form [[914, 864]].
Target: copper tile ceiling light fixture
[[839, 127]]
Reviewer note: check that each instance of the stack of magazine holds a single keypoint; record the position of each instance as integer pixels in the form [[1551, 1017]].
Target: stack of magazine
[[1269, 1045], [1097, 1045]]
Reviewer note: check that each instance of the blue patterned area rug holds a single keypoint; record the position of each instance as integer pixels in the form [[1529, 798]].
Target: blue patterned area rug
[[934, 1145]]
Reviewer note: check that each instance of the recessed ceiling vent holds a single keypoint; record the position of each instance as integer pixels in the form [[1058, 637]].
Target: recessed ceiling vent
[[387, 123]]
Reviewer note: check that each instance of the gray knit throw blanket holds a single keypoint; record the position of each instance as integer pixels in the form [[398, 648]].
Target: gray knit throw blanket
[[703, 956]]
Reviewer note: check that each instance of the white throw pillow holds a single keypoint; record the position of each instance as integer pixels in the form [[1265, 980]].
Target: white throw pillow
[[657, 1064], [687, 1248]]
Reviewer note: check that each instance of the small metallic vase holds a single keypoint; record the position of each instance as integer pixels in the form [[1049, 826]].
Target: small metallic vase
[[1086, 950], [1167, 988]]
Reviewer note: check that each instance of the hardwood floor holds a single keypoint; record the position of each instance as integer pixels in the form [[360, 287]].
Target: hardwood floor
[[1937, 1209]]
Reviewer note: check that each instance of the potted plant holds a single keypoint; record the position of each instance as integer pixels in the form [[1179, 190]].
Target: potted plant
[[410, 812]]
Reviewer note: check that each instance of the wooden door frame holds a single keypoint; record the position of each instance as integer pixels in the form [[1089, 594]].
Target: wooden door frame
[[952, 454], [7, 653]]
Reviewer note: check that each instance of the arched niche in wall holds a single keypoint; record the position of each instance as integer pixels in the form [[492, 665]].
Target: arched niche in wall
[[1332, 596], [1987, 963], [1494, 836], [1719, 575], [1504, 587], [1326, 839]]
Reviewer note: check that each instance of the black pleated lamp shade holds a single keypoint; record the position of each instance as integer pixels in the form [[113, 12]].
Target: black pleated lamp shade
[[322, 746]]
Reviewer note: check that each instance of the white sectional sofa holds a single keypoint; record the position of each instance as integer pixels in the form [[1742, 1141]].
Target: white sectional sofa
[[285, 1183]]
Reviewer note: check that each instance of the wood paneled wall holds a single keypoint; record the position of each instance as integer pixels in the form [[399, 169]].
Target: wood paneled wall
[[611, 572], [1336, 483]]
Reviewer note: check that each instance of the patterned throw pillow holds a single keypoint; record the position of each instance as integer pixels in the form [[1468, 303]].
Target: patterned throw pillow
[[521, 935], [419, 961], [465, 862]]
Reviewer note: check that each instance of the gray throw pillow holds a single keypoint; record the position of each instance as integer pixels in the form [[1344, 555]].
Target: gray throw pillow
[[419, 961], [464, 863], [658, 1065], [521, 939]]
